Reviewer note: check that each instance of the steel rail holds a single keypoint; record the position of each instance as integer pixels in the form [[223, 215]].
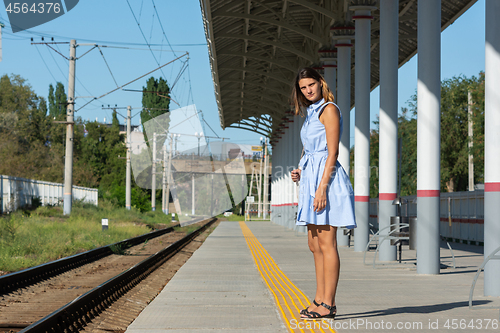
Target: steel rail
[[73, 316], [33, 275]]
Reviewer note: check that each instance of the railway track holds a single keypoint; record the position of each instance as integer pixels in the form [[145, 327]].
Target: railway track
[[89, 297]]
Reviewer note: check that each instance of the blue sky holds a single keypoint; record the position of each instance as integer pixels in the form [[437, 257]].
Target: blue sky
[[112, 23]]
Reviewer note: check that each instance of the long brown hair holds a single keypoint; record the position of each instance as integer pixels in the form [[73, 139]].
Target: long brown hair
[[298, 99]]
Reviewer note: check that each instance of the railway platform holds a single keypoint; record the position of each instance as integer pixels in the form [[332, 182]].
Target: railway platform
[[257, 276]]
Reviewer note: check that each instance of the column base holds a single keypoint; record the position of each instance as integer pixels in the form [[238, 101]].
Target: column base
[[428, 255], [387, 252], [491, 243], [362, 232], [342, 240]]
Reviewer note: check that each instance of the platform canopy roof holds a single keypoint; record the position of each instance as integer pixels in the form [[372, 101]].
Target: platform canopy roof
[[257, 46]]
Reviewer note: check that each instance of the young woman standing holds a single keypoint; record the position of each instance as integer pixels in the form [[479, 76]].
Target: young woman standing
[[326, 198]]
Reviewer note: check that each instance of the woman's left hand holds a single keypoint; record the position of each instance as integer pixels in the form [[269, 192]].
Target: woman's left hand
[[319, 200]]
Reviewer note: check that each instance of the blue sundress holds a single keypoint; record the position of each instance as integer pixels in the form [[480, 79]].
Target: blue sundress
[[339, 210]]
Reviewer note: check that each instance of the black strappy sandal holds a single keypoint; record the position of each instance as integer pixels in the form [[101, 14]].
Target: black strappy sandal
[[305, 311], [316, 316]]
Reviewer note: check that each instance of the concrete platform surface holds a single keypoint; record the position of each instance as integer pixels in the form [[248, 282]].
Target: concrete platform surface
[[255, 276]]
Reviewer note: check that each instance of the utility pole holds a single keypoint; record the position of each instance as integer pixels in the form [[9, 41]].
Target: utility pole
[[251, 187], [266, 178], [259, 184], [471, 160], [129, 147], [164, 179], [153, 176], [1, 26], [169, 174], [192, 194], [70, 110]]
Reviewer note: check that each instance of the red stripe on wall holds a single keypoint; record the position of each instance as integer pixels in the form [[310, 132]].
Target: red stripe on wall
[[491, 187], [362, 198], [387, 196], [287, 204], [428, 193]]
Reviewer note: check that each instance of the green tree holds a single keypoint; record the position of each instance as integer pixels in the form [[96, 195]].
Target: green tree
[[23, 129], [407, 132], [477, 90], [454, 131], [101, 150], [57, 101], [52, 101], [16, 95], [57, 111], [374, 161], [155, 101]]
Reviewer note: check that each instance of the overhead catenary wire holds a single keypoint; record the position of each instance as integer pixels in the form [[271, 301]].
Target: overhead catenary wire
[[118, 87], [87, 51], [45, 63], [151, 31], [181, 71], [142, 33], [110, 72], [62, 55], [65, 77], [175, 84], [161, 26], [149, 44], [60, 70], [31, 32], [152, 92], [190, 86], [137, 48], [140, 77], [91, 94]]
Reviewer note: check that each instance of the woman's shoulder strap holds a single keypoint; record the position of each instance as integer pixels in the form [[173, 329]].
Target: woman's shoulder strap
[[322, 108]]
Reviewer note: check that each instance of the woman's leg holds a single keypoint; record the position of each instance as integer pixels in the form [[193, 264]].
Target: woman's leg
[[312, 240], [327, 241]]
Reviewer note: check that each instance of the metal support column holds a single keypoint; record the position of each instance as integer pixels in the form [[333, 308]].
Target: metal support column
[[128, 180], [266, 178], [492, 148], [287, 179], [192, 195], [343, 44], [297, 152], [164, 179], [388, 140], [169, 175], [362, 19], [428, 135], [328, 57], [153, 176]]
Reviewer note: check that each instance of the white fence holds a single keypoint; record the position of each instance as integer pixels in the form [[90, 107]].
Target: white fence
[[461, 214], [18, 192]]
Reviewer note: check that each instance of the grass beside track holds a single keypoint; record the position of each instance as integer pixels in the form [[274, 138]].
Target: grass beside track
[[31, 238]]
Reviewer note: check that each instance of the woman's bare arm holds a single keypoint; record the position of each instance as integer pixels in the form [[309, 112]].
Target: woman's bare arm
[[330, 118]]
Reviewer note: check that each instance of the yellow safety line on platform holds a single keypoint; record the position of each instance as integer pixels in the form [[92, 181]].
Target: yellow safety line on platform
[[288, 297]]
